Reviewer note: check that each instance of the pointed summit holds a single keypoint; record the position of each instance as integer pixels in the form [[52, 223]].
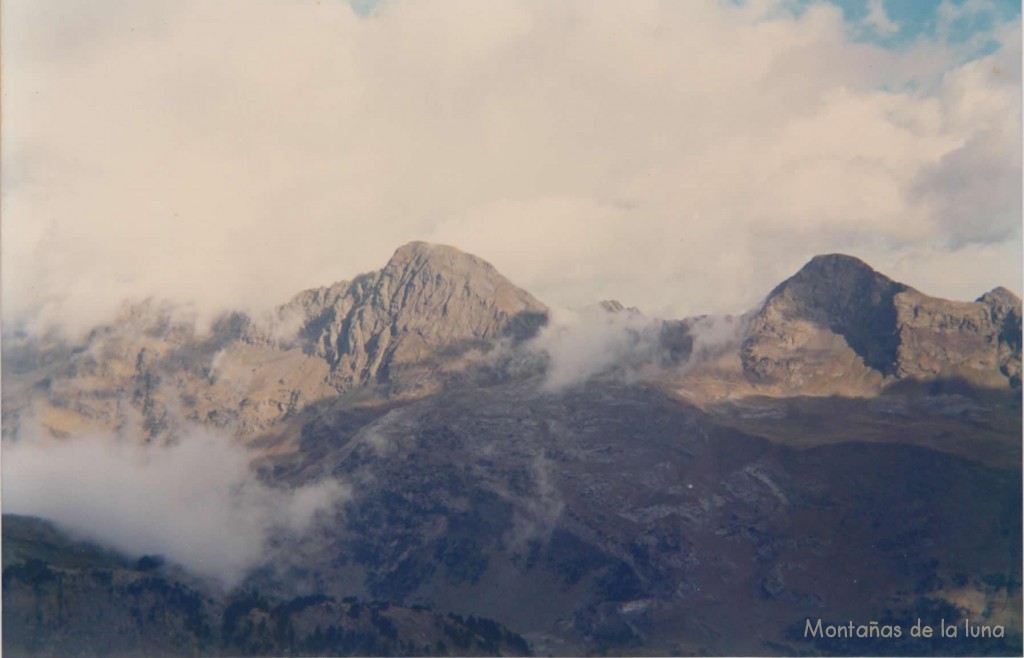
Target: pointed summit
[[837, 324], [1000, 296], [424, 251], [427, 300], [845, 296], [835, 289], [836, 262], [437, 277], [440, 256]]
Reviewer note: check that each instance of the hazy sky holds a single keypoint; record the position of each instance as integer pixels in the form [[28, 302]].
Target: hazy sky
[[680, 156]]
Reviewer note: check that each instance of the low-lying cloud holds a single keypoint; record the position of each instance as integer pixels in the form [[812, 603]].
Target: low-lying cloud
[[577, 345], [196, 502], [583, 343]]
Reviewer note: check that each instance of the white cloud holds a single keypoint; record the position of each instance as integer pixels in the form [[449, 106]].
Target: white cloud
[[581, 344], [879, 19], [678, 156], [195, 502]]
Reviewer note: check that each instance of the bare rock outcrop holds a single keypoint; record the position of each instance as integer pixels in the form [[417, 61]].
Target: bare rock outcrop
[[428, 300], [403, 327], [838, 326]]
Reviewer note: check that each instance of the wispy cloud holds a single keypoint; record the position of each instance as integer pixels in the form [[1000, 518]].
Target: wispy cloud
[[578, 345], [196, 502], [878, 19], [581, 344]]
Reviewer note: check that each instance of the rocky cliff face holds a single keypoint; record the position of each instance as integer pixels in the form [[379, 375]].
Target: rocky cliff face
[[429, 300], [839, 326], [977, 341], [428, 312]]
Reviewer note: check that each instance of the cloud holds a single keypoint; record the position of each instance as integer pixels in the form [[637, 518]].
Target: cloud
[[536, 517], [975, 191], [682, 157], [581, 344], [195, 502], [878, 19]]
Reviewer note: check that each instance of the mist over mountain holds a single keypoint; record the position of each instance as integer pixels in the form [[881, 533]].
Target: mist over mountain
[[428, 460]]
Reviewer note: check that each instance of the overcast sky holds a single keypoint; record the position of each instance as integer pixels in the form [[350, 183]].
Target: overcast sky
[[679, 156]]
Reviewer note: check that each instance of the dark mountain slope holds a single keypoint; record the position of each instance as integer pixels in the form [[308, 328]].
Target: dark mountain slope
[[615, 516], [63, 597]]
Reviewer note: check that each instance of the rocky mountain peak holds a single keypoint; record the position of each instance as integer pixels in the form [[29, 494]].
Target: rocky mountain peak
[[1000, 296], [431, 277], [835, 289], [441, 255], [835, 262], [838, 323], [427, 298], [611, 306], [839, 294], [615, 307]]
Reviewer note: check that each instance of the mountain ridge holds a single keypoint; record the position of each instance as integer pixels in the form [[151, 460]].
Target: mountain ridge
[[837, 304], [835, 327], [848, 449]]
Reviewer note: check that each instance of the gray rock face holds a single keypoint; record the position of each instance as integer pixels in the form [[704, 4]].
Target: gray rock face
[[1005, 309], [837, 323], [978, 341], [406, 326], [428, 298]]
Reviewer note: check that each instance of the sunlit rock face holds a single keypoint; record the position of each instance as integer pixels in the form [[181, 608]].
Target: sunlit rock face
[[427, 299]]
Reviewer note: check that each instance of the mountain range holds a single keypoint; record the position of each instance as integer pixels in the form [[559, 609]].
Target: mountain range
[[848, 450]]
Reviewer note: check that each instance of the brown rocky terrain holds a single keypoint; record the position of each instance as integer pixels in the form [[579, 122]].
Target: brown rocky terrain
[[428, 301], [848, 450], [396, 331], [837, 326]]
